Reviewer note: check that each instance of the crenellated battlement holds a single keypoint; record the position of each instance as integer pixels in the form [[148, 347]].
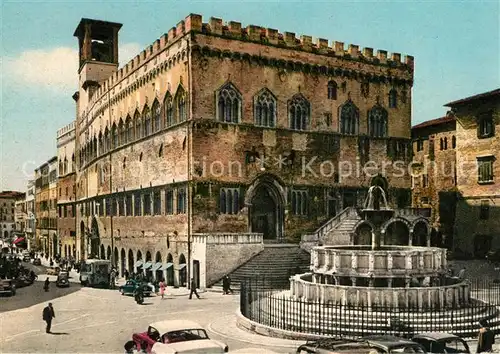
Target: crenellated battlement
[[256, 34]]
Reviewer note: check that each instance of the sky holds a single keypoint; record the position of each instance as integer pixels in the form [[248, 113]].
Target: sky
[[456, 45]]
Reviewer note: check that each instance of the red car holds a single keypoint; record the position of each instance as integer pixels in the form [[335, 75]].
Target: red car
[[165, 336]]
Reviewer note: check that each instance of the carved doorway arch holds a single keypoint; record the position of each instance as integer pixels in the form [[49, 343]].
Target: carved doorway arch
[[266, 202]]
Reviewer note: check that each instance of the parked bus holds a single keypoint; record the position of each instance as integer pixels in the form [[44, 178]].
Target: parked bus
[[95, 272]]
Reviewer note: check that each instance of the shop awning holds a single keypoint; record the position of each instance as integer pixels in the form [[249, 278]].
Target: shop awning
[[156, 266], [166, 266], [17, 240], [182, 266], [147, 265], [138, 263]]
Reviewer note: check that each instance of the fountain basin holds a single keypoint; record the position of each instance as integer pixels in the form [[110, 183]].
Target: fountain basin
[[442, 297], [386, 262]]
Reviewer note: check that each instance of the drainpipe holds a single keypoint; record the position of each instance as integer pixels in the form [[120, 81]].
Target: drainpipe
[[189, 151]]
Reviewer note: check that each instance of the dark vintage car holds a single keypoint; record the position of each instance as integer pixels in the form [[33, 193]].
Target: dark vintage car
[[129, 288], [442, 343], [62, 279], [7, 287], [37, 261], [366, 345]]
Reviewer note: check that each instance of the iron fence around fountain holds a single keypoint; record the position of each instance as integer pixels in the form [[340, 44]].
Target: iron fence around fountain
[[267, 301]]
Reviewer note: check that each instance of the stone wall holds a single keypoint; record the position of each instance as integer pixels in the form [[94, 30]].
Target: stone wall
[[226, 252], [438, 167], [475, 235]]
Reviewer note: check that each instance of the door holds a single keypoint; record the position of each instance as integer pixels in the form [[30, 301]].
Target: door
[[196, 272], [349, 199], [332, 207]]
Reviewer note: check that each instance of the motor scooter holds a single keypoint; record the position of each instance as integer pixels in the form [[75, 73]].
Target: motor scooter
[[139, 298]]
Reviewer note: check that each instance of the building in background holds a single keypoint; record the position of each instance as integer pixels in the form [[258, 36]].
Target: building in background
[[7, 214], [46, 207], [477, 220], [30, 214], [20, 217], [434, 175], [66, 209], [217, 130]]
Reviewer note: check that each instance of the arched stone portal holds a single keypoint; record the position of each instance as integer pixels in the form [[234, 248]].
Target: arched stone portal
[[182, 271], [397, 233], [158, 271], [130, 262], [55, 245], [108, 253], [420, 234], [115, 257], [82, 240], [170, 269], [123, 263], [266, 202], [95, 239], [102, 254], [363, 235]]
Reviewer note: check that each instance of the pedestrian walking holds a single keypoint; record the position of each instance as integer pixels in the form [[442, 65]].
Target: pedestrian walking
[[225, 286], [229, 284], [193, 290], [162, 288], [486, 338], [46, 284], [125, 274], [48, 315]]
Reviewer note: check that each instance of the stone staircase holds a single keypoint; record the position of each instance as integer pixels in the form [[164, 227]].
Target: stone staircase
[[275, 264], [336, 231]]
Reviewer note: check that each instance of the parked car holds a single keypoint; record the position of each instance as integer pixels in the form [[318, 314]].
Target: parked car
[[131, 285], [177, 336], [37, 261], [442, 343], [8, 287], [62, 279], [366, 345]]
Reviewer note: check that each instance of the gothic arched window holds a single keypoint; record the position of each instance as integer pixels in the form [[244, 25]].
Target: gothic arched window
[[122, 132], [129, 127], [349, 118], [299, 112], [377, 121], [393, 98], [265, 109], [106, 140], [453, 142], [94, 147], [146, 117], [180, 104], [169, 113], [332, 90], [114, 136], [138, 125], [101, 144], [228, 104], [156, 116]]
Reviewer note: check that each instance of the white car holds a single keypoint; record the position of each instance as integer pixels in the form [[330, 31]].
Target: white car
[[177, 336]]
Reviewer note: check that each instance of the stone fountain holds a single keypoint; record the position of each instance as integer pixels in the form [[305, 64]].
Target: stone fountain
[[375, 283]]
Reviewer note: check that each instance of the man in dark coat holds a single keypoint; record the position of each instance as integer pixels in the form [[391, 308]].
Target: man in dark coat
[[193, 290], [48, 315], [486, 338]]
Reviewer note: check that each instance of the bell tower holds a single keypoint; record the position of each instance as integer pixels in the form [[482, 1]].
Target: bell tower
[[98, 52]]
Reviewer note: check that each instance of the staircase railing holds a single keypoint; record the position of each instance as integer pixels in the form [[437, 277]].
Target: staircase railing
[[329, 225]]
